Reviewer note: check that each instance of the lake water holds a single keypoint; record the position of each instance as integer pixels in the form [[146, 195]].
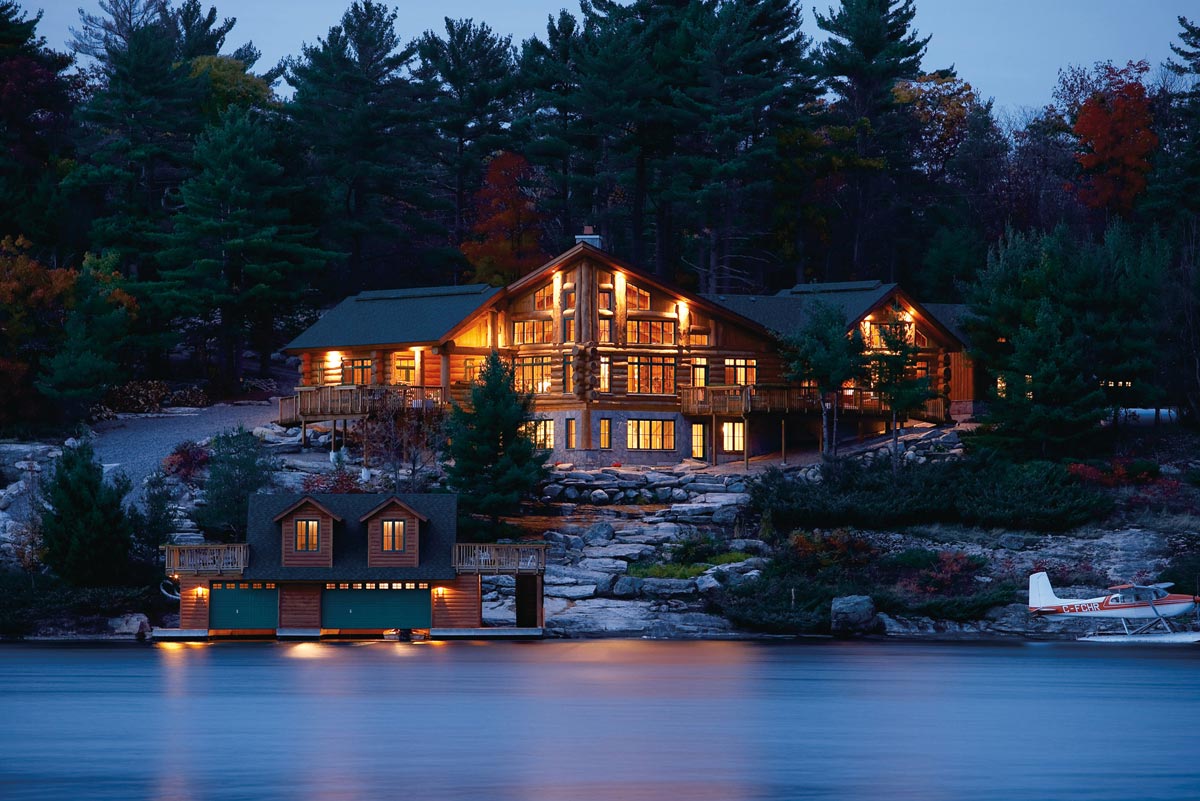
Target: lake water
[[574, 721]]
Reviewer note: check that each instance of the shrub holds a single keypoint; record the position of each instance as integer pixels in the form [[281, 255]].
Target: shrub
[[152, 526], [1041, 496], [953, 574], [696, 548], [237, 470], [189, 396], [186, 460], [777, 604]]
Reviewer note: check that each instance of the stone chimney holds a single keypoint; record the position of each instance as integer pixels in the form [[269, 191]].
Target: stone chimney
[[590, 237]]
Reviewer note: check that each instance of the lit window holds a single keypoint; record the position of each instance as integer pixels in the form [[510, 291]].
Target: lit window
[[358, 585], [605, 433], [542, 434], [604, 300], [533, 332], [393, 535], [605, 332], [636, 299], [650, 332], [569, 329], [571, 433], [343, 586], [605, 374], [405, 371], [544, 298], [698, 339], [568, 300], [258, 585], [270, 585], [470, 370], [307, 535], [411, 585], [650, 435], [733, 437], [742, 372], [370, 585], [423, 585], [331, 586], [532, 374], [358, 371], [700, 372], [568, 374], [652, 375]]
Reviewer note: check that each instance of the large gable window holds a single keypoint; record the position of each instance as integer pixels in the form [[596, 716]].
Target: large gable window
[[393, 535], [308, 535], [543, 299], [636, 299]]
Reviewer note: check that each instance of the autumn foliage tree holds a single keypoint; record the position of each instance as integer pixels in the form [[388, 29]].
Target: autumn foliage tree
[[1114, 126], [506, 237]]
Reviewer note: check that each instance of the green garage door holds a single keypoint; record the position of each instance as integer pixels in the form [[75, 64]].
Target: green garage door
[[375, 609], [243, 605]]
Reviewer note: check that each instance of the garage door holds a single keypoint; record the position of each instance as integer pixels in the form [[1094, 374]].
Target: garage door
[[375, 608], [243, 605]]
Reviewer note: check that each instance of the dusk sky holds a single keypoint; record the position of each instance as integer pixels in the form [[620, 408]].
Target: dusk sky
[[1011, 51]]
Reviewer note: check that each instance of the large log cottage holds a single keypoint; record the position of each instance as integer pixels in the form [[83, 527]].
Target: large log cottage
[[623, 367], [355, 565]]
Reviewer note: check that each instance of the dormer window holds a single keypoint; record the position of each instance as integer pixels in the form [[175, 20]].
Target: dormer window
[[393, 535], [308, 535], [543, 299]]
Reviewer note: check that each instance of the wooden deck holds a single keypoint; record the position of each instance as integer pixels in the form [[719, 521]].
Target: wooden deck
[[339, 401], [742, 401], [489, 558], [217, 560]]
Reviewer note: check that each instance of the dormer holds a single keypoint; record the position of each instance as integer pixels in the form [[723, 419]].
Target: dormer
[[307, 531], [393, 534]]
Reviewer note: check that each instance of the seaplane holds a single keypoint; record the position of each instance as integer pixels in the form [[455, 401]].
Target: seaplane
[[1149, 605]]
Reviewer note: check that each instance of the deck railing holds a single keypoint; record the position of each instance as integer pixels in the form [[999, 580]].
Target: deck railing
[[764, 398], [500, 558], [220, 559], [349, 400]]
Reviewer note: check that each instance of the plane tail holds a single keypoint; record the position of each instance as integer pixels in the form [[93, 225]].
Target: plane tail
[[1041, 594]]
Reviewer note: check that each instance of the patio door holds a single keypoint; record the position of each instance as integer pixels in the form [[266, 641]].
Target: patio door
[[699, 441]]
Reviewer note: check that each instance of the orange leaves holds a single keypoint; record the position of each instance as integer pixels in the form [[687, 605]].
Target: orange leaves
[[26, 285], [508, 226]]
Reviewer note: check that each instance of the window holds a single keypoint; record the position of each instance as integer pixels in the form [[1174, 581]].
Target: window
[[650, 435], [604, 300], [393, 535], [542, 434], [605, 374], [571, 445], [636, 299], [698, 339], [652, 375], [405, 371], [605, 433], [568, 374], [357, 371], [543, 299], [652, 332], [568, 329], [568, 300], [700, 372], [470, 370], [605, 333], [743, 372], [698, 441], [733, 437], [532, 373], [876, 333], [527, 332], [308, 536]]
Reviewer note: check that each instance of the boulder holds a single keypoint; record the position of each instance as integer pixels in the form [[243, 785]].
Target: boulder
[[602, 617], [137, 625], [708, 583], [599, 534], [725, 516], [604, 565], [678, 495], [628, 552], [552, 491], [1011, 542], [853, 614], [749, 546], [570, 493], [569, 591], [668, 588], [627, 587], [599, 497]]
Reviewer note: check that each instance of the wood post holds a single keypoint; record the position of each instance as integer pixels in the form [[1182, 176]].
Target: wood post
[[746, 442], [303, 433], [783, 439]]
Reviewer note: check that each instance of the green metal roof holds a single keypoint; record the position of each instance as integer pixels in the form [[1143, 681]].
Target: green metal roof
[[787, 311], [950, 315], [394, 316], [350, 538]]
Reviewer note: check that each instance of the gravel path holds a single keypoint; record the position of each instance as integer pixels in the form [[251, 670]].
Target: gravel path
[[137, 445]]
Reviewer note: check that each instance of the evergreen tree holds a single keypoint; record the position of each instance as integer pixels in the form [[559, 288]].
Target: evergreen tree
[[84, 527], [491, 459], [239, 263], [469, 79], [364, 143], [237, 469], [824, 353], [892, 370]]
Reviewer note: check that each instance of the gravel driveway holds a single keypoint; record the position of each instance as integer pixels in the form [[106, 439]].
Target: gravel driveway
[[137, 445]]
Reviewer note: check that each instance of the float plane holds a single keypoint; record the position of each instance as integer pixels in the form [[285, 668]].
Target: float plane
[[1150, 603]]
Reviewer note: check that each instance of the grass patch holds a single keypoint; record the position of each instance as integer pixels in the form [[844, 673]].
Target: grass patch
[[668, 570]]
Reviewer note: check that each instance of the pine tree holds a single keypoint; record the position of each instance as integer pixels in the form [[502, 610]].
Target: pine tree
[[238, 469], [824, 353], [237, 259], [491, 459], [85, 528]]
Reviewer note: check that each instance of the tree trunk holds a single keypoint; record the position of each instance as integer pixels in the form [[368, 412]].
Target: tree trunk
[[638, 212]]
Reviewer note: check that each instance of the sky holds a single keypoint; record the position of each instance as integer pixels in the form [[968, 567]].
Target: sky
[[1010, 51]]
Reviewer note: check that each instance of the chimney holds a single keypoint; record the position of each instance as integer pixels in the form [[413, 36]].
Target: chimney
[[589, 237]]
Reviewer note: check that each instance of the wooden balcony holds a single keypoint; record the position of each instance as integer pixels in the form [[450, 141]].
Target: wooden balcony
[[740, 401], [335, 402], [216, 560], [500, 558]]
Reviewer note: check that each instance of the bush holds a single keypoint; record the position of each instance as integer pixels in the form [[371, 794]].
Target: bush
[[189, 396], [187, 459], [777, 604], [696, 548], [152, 526], [137, 396], [1041, 496], [237, 470]]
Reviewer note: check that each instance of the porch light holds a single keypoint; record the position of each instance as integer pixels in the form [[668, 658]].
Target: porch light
[[333, 360], [201, 592], [440, 591]]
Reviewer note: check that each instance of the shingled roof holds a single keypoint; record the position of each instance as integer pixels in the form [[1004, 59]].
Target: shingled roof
[[787, 311], [394, 316], [350, 538]]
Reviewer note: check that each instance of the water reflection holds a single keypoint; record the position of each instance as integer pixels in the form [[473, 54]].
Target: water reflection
[[595, 720]]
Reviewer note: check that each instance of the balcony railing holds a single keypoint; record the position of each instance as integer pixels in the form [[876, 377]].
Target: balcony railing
[[763, 399], [349, 400], [500, 558], [216, 559]]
